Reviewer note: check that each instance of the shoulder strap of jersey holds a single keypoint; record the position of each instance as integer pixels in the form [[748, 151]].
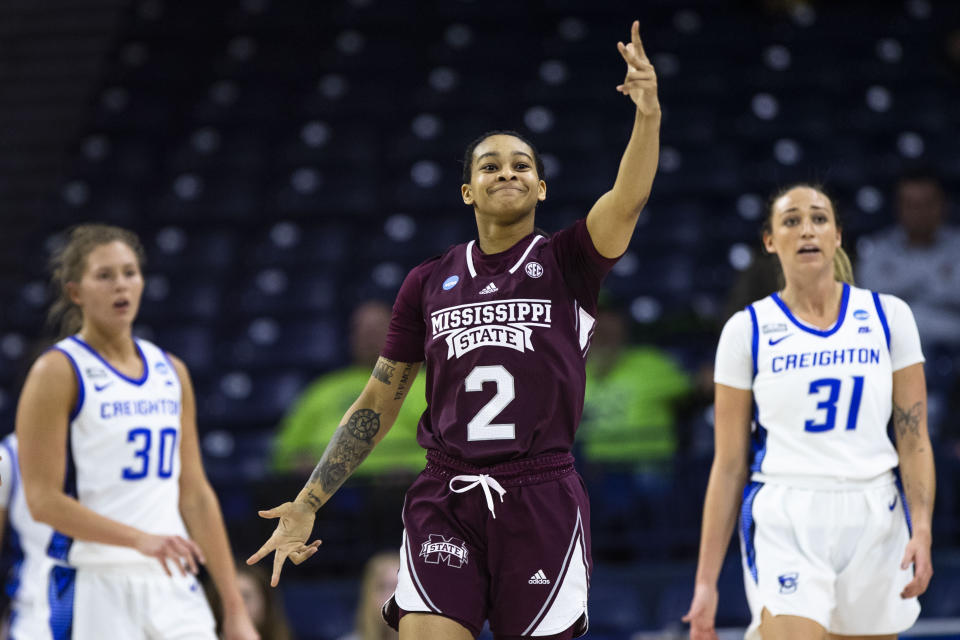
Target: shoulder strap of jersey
[[883, 317]]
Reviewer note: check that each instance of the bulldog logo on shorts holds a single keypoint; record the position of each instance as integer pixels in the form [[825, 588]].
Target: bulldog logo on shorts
[[453, 551], [788, 582]]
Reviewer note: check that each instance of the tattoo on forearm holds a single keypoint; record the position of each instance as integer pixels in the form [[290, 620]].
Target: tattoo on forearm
[[350, 445], [364, 424], [404, 381], [384, 370], [907, 421], [313, 500]]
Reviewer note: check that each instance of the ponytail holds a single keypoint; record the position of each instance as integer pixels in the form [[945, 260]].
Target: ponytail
[[842, 268]]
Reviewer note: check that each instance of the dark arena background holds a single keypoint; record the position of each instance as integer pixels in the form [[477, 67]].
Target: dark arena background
[[284, 162]]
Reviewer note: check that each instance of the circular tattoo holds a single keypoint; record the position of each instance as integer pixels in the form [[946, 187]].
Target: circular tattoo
[[364, 424]]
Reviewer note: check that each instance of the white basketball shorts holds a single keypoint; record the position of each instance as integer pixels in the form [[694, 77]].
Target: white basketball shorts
[[828, 554], [131, 602]]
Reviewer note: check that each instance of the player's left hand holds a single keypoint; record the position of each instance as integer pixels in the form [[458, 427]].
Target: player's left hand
[[918, 554], [641, 80], [289, 538], [238, 626]]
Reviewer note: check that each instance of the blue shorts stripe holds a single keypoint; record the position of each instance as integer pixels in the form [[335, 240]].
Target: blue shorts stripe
[[748, 528], [60, 592]]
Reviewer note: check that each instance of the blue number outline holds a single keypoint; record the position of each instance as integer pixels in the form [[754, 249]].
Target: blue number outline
[[169, 431], [138, 474]]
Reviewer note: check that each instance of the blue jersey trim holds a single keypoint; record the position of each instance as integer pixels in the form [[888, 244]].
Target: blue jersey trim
[[60, 543], [844, 299], [748, 527], [883, 318], [146, 365], [80, 390], [758, 443], [60, 593], [755, 340]]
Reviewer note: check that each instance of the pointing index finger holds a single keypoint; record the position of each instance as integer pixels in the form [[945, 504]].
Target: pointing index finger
[[635, 39]]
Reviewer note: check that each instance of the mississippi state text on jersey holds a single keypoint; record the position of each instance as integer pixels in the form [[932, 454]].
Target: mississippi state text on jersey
[[504, 338]]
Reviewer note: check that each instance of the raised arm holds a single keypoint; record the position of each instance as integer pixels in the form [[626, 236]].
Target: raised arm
[[613, 218], [728, 475], [365, 424], [916, 469]]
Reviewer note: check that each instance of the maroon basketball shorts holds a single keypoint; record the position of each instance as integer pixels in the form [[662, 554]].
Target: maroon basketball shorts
[[508, 543]]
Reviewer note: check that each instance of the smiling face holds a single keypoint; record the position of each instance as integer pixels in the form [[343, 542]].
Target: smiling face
[[504, 183], [108, 293], [802, 231]]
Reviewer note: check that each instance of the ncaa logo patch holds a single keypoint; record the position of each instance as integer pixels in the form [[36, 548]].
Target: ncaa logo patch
[[861, 314], [450, 282], [161, 368], [788, 582], [534, 269]]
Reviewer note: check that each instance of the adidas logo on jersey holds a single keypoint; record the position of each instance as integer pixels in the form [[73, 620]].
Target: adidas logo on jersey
[[490, 288], [539, 578]]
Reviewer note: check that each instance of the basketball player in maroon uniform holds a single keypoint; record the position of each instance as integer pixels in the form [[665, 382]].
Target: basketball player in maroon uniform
[[497, 526]]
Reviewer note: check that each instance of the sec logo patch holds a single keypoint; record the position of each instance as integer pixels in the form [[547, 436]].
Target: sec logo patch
[[533, 269]]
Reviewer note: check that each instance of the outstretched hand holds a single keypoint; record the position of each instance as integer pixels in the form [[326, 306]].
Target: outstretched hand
[[289, 538], [640, 82]]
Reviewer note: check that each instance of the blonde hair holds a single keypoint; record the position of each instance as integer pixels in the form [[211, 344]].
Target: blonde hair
[[68, 263], [842, 267], [369, 625]]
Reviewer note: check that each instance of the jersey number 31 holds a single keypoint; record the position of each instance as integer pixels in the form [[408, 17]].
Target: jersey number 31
[[830, 404]]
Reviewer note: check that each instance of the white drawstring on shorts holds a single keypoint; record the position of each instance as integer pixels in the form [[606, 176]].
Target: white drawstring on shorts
[[485, 482]]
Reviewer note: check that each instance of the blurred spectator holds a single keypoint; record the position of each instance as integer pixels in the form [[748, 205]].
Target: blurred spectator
[[761, 278], [377, 585], [629, 414], [310, 424], [263, 603], [919, 259]]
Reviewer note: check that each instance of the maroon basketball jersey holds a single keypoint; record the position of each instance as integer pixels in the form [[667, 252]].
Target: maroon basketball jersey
[[504, 338]]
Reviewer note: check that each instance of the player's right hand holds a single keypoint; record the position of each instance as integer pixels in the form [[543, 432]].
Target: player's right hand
[[178, 550], [289, 538], [703, 613]]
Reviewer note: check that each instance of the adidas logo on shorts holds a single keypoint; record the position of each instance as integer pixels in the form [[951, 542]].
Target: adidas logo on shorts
[[490, 288], [539, 578]]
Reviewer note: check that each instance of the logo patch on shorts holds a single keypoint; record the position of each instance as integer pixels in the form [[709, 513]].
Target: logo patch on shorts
[[788, 582], [438, 549], [539, 578]]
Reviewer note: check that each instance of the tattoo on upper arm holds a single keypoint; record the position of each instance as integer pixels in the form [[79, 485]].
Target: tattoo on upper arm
[[404, 381], [384, 370], [907, 421], [350, 445]]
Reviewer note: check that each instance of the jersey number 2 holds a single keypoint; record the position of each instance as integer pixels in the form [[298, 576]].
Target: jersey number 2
[[830, 404], [482, 427], [143, 437]]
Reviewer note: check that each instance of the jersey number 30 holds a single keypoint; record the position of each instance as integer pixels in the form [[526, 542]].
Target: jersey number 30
[[482, 427], [142, 437], [830, 404]]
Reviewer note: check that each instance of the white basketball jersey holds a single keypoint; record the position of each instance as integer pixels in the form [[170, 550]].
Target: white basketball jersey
[[823, 398], [27, 584], [123, 458]]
